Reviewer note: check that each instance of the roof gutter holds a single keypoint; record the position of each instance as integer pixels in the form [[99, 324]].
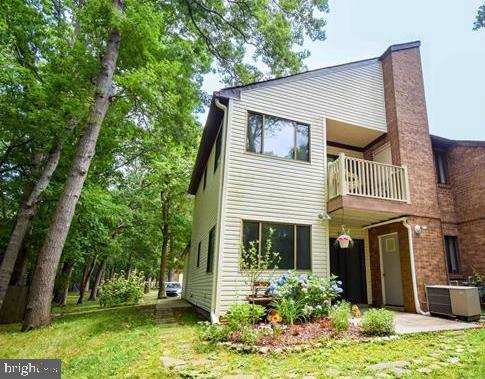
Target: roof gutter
[[409, 228]]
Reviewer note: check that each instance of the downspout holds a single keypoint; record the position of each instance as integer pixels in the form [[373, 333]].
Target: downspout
[[215, 285], [413, 269]]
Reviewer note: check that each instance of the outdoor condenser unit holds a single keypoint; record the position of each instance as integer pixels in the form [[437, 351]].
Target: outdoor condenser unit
[[459, 301]]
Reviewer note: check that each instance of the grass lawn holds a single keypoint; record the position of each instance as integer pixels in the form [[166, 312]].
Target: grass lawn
[[127, 343]]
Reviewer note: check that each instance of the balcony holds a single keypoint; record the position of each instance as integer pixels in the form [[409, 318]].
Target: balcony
[[371, 191]]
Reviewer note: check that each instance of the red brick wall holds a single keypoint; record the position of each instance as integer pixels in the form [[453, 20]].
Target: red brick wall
[[471, 245], [466, 166], [407, 124], [446, 203]]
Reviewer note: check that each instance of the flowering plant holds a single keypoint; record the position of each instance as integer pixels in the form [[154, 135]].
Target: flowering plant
[[302, 296], [344, 240]]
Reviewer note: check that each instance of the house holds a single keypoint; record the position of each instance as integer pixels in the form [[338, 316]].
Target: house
[[343, 145]]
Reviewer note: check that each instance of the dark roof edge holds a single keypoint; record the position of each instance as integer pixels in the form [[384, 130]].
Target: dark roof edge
[[234, 92], [450, 142], [400, 46], [207, 140]]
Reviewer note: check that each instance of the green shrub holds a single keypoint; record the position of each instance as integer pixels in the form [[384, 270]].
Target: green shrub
[[289, 309], [212, 332], [339, 316], [378, 322], [121, 290], [243, 314]]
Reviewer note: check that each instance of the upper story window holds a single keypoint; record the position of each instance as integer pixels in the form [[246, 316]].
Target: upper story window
[[278, 137], [451, 247], [441, 165]]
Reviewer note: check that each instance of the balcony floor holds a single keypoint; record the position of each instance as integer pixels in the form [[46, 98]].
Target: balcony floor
[[362, 211]]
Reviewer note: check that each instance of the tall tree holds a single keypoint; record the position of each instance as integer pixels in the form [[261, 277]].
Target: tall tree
[[40, 296], [480, 18]]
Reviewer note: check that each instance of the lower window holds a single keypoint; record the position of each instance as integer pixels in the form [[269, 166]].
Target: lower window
[[291, 242], [451, 247]]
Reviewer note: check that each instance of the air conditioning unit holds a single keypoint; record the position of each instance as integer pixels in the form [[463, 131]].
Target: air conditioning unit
[[454, 301]]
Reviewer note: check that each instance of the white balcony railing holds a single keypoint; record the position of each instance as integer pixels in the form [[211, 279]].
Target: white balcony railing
[[360, 177]]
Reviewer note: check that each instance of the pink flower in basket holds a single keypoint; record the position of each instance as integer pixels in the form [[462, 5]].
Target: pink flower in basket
[[344, 240]]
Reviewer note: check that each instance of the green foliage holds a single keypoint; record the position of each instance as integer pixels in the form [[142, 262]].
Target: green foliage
[[122, 290], [480, 18], [378, 322], [243, 314], [212, 332], [298, 297], [339, 316], [255, 266], [290, 309]]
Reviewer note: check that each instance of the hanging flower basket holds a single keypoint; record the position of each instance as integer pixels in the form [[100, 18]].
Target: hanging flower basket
[[344, 240]]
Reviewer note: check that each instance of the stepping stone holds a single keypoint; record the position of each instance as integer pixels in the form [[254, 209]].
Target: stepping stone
[[332, 372], [459, 350], [387, 365], [424, 370], [202, 362], [454, 360], [239, 376], [309, 377], [417, 361], [434, 366], [170, 362]]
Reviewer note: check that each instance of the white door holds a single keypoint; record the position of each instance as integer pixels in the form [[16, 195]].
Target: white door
[[391, 270]]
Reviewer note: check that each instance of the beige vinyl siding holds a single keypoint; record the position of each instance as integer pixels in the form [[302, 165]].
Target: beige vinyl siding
[[354, 96], [357, 233], [263, 188], [198, 283]]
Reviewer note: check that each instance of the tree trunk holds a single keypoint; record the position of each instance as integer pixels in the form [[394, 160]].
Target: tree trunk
[[88, 270], [19, 274], [165, 235], [24, 216], [170, 275], [40, 295], [97, 280], [60, 295]]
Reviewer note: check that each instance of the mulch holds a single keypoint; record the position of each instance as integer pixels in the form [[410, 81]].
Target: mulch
[[309, 332]]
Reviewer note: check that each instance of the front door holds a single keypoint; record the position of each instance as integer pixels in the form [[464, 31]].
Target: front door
[[349, 266], [391, 270]]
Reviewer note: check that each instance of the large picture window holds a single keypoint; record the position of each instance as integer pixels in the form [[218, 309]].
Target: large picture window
[[291, 242], [278, 137], [451, 247]]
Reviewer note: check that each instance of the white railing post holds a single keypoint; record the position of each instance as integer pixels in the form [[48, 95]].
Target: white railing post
[[342, 173], [406, 184]]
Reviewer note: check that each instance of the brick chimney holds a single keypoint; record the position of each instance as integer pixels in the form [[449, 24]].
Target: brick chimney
[[408, 133]]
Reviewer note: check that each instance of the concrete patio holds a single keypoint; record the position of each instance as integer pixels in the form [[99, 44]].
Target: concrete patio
[[416, 323]]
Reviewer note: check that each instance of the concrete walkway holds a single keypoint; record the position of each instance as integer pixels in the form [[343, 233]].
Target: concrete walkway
[[415, 323]]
